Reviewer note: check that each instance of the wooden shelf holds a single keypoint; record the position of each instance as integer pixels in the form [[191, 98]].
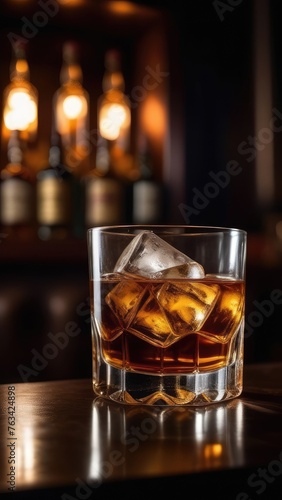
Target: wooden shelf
[[262, 251], [67, 251]]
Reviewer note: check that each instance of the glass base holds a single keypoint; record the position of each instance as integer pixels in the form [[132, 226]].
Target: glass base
[[195, 389]]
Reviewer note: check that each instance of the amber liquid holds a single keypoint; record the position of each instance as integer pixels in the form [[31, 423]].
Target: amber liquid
[[167, 326]]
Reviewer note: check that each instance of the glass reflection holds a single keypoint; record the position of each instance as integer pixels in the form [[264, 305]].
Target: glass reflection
[[137, 441]]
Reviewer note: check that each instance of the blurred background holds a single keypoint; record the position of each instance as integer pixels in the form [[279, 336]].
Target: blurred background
[[131, 112]]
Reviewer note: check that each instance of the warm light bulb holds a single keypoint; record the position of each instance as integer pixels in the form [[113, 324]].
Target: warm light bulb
[[73, 106], [17, 98], [21, 110], [112, 118], [117, 114], [108, 130]]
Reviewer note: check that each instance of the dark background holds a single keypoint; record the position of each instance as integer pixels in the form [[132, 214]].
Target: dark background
[[209, 108]]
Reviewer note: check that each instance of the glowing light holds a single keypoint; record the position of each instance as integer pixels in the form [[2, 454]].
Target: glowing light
[[213, 450], [72, 107], [20, 110], [113, 117], [154, 108], [18, 98], [116, 113], [123, 8]]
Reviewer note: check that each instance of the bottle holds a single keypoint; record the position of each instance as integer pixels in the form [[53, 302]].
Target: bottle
[[54, 195], [71, 111], [20, 98], [114, 115], [104, 196], [148, 192], [17, 193]]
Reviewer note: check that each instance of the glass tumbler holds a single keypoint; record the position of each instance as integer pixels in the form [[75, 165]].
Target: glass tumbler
[[167, 313]]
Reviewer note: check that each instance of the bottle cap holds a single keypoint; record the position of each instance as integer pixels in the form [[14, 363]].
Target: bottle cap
[[70, 51], [113, 60], [20, 48]]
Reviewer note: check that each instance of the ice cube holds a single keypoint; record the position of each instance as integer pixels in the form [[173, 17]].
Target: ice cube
[[187, 305], [227, 314], [124, 299], [150, 256], [151, 324]]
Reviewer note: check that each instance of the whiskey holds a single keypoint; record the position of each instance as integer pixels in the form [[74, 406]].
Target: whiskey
[[148, 191], [17, 193], [54, 195], [20, 98], [167, 311], [71, 111], [114, 116], [168, 326], [104, 193]]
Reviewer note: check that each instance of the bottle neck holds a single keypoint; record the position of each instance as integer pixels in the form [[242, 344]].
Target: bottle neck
[[14, 153], [71, 73], [113, 79], [102, 157], [144, 159], [19, 70], [71, 70], [55, 151]]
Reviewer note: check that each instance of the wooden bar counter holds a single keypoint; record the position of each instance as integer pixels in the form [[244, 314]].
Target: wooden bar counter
[[60, 442]]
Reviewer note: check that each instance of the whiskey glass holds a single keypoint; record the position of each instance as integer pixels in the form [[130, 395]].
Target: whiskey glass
[[167, 313]]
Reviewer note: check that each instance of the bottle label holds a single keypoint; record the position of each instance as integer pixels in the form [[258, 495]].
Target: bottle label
[[53, 202], [16, 202], [147, 202], [103, 202]]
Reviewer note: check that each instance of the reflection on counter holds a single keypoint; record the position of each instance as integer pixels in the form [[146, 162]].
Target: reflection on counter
[[120, 431]]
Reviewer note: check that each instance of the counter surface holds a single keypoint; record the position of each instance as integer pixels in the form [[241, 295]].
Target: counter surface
[[59, 441]]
